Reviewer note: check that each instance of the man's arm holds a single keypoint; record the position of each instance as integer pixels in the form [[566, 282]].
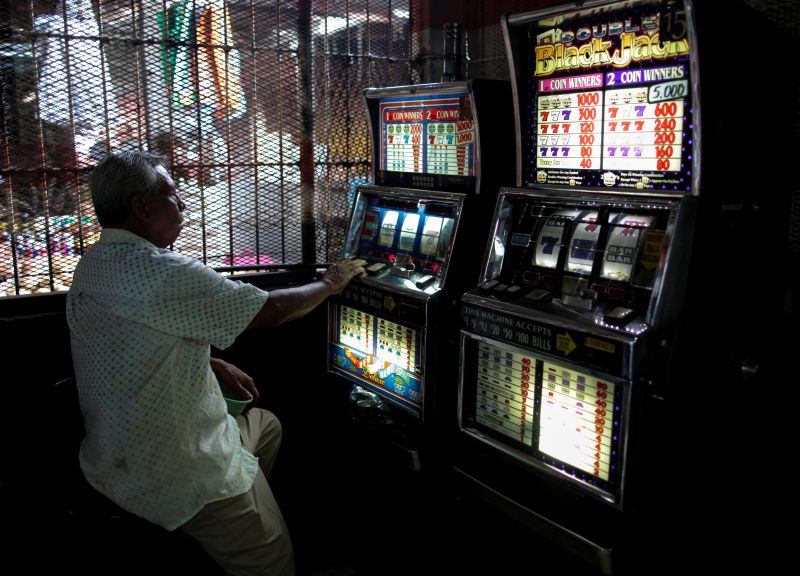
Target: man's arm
[[291, 303]]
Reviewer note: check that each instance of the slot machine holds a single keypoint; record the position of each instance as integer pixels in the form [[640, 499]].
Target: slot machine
[[595, 369], [392, 332]]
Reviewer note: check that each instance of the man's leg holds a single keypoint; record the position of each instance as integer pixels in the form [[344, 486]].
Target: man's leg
[[261, 434], [246, 534]]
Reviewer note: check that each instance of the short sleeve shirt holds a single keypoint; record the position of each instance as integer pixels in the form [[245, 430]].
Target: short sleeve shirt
[[159, 440]]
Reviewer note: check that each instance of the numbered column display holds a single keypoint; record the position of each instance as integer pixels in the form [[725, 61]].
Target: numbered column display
[[404, 146], [576, 426], [569, 131], [641, 136], [548, 414], [379, 354], [356, 330], [434, 134], [505, 392]]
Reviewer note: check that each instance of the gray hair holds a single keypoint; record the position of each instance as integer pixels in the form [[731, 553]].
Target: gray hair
[[119, 177]]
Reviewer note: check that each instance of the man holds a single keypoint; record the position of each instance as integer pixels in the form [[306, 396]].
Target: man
[[142, 318]]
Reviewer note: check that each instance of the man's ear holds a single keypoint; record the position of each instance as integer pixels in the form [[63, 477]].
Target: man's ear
[[139, 207]]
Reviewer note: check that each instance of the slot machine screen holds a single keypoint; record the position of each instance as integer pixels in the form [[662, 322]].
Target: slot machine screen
[[551, 415], [427, 141], [622, 245], [606, 100], [583, 244], [563, 245], [379, 354], [551, 237], [407, 238]]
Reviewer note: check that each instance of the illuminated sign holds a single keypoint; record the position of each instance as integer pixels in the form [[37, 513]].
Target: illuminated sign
[[551, 414], [428, 134], [608, 102], [575, 426], [379, 354]]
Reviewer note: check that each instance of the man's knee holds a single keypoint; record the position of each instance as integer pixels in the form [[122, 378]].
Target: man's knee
[[274, 428], [264, 437]]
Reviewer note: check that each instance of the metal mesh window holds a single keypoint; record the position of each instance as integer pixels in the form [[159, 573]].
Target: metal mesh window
[[257, 103]]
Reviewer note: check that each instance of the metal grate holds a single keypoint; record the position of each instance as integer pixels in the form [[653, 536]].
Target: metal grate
[[257, 103], [485, 47]]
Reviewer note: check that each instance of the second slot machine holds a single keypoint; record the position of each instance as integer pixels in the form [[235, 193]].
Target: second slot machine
[[393, 333]]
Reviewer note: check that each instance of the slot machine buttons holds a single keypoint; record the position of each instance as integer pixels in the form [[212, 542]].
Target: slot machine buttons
[[618, 316], [403, 267], [585, 299], [489, 286], [538, 297], [401, 272], [507, 291], [424, 281], [376, 269], [575, 292]]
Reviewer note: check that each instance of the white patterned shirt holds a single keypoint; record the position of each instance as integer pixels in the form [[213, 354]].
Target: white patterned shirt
[[159, 440]]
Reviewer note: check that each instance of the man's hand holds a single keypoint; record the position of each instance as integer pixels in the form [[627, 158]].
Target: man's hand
[[291, 303], [339, 275], [235, 379]]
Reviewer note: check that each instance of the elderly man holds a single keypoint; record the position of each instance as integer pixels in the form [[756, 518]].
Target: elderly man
[[159, 441]]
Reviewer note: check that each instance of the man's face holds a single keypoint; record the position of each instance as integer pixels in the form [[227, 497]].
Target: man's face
[[166, 210]]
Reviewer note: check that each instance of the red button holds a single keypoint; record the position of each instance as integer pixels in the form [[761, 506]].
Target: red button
[[616, 293], [532, 277]]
